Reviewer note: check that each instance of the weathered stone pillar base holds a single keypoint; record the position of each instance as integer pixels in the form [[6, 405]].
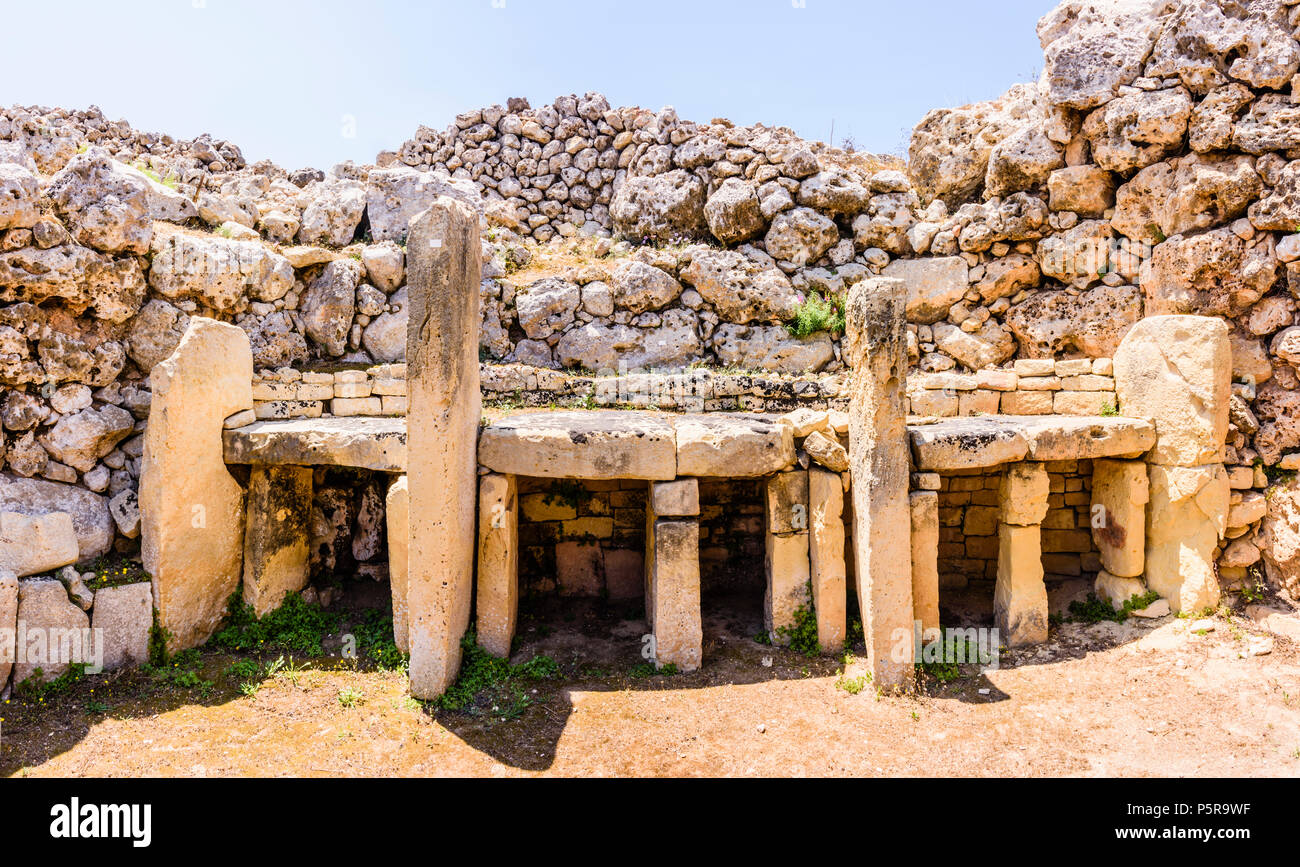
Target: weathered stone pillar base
[[498, 563], [276, 538], [445, 407], [191, 508], [1020, 597], [1187, 517], [826, 557], [397, 513], [787, 553], [1120, 493], [880, 458], [673, 592], [925, 558]]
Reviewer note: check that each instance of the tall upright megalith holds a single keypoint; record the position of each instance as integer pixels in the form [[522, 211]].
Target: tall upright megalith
[[443, 273], [191, 507], [876, 341]]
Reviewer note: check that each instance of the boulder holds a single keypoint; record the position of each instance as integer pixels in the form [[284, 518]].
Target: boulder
[[154, 333], [275, 340], [221, 273], [659, 208], [991, 345], [397, 194], [1279, 537], [760, 347], [1271, 124], [385, 337], [1215, 117], [1092, 49], [933, 285], [1215, 273], [801, 236], [1279, 211], [105, 207], [1024, 160], [57, 631], [733, 212], [1278, 410], [638, 287], [547, 307], [32, 544], [741, 289], [1138, 129], [1079, 255], [827, 452], [836, 192], [82, 438], [1208, 41], [1176, 371], [332, 211], [329, 304], [19, 197], [1186, 194], [113, 289], [90, 518], [385, 265], [675, 342], [1087, 190]]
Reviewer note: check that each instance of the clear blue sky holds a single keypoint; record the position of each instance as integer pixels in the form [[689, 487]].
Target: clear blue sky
[[288, 79]]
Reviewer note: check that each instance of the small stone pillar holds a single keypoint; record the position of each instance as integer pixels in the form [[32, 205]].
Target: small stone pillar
[[1120, 493], [191, 507], [277, 535], [445, 406], [397, 514], [8, 623], [672, 570], [787, 556], [876, 343], [1020, 597], [498, 563], [826, 557], [925, 558], [1176, 371]]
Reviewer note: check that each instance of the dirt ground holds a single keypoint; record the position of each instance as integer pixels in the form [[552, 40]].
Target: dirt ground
[[1145, 698]]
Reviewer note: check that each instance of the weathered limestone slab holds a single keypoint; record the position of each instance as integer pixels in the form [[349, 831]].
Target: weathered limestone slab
[[443, 274], [1023, 494], [191, 508], [498, 563], [8, 624], [125, 614], [1177, 372], [925, 557], [55, 630], [581, 445], [882, 530], [1083, 437], [786, 562], [679, 499], [979, 442], [397, 514], [966, 444], [1020, 596], [673, 593], [1187, 517], [1120, 493], [732, 446], [826, 557], [276, 535], [377, 444], [32, 544]]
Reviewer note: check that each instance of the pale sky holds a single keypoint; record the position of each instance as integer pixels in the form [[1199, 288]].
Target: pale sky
[[314, 83]]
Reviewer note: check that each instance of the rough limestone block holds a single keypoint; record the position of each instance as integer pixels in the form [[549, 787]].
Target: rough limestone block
[[1020, 596], [673, 583], [580, 445], [498, 563], [882, 530], [32, 544], [56, 630], [1176, 371], [679, 499], [925, 557], [277, 535], [826, 557], [8, 624], [787, 568], [397, 513], [1023, 494], [787, 502], [1116, 590], [1120, 493], [731, 446], [1187, 517], [191, 507], [443, 272], [125, 614]]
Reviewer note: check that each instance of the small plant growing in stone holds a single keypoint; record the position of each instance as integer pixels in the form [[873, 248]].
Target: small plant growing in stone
[[816, 313], [1110, 410]]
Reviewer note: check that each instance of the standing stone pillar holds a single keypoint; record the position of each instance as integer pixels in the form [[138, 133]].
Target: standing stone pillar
[[1120, 493], [277, 536], [880, 460], [1176, 371], [191, 508], [925, 558], [397, 513], [8, 624], [498, 563], [787, 556], [443, 273], [826, 557], [672, 569], [1020, 596]]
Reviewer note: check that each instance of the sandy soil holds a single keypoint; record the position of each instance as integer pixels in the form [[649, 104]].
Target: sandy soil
[[1139, 699]]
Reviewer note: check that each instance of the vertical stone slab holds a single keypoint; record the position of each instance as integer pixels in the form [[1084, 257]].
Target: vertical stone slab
[[191, 507], [880, 463], [443, 275], [925, 557], [1120, 493], [1187, 517], [277, 535], [786, 562], [124, 615], [826, 557], [8, 624], [498, 563], [56, 630], [1020, 596], [673, 579], [397, 512]]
